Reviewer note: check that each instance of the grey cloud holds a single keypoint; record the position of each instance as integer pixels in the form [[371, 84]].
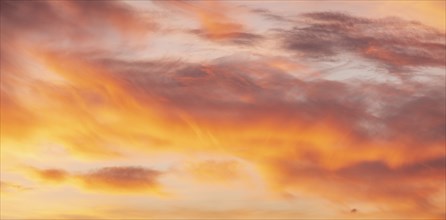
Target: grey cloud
[[391, 42]]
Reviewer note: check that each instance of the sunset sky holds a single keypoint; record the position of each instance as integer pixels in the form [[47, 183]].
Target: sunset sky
[[223, 110]]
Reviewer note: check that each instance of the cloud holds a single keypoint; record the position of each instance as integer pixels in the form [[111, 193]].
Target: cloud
[[350, 141], [408, 187], [9, 187], [107, 179], [391, 42], [298, 132], [334, 128], [270, 15], [309, 119], [135, 178], [215, 172], [81, 24], [240, 38], [53, 175], [217, 22], [207, 100]]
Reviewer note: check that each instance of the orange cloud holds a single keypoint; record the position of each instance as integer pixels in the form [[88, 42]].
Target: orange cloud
[[311, 114], [367, 182], [53, 175], [122, 178], [216, 20], [107, 179], [216, 171], [370, 143]]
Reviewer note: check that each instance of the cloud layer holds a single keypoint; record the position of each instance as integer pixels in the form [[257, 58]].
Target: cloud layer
[[310, 115]]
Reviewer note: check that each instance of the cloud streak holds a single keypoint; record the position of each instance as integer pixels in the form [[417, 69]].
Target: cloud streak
[[106, 179]]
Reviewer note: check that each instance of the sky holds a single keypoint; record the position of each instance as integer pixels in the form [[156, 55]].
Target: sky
[[223, 110]]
